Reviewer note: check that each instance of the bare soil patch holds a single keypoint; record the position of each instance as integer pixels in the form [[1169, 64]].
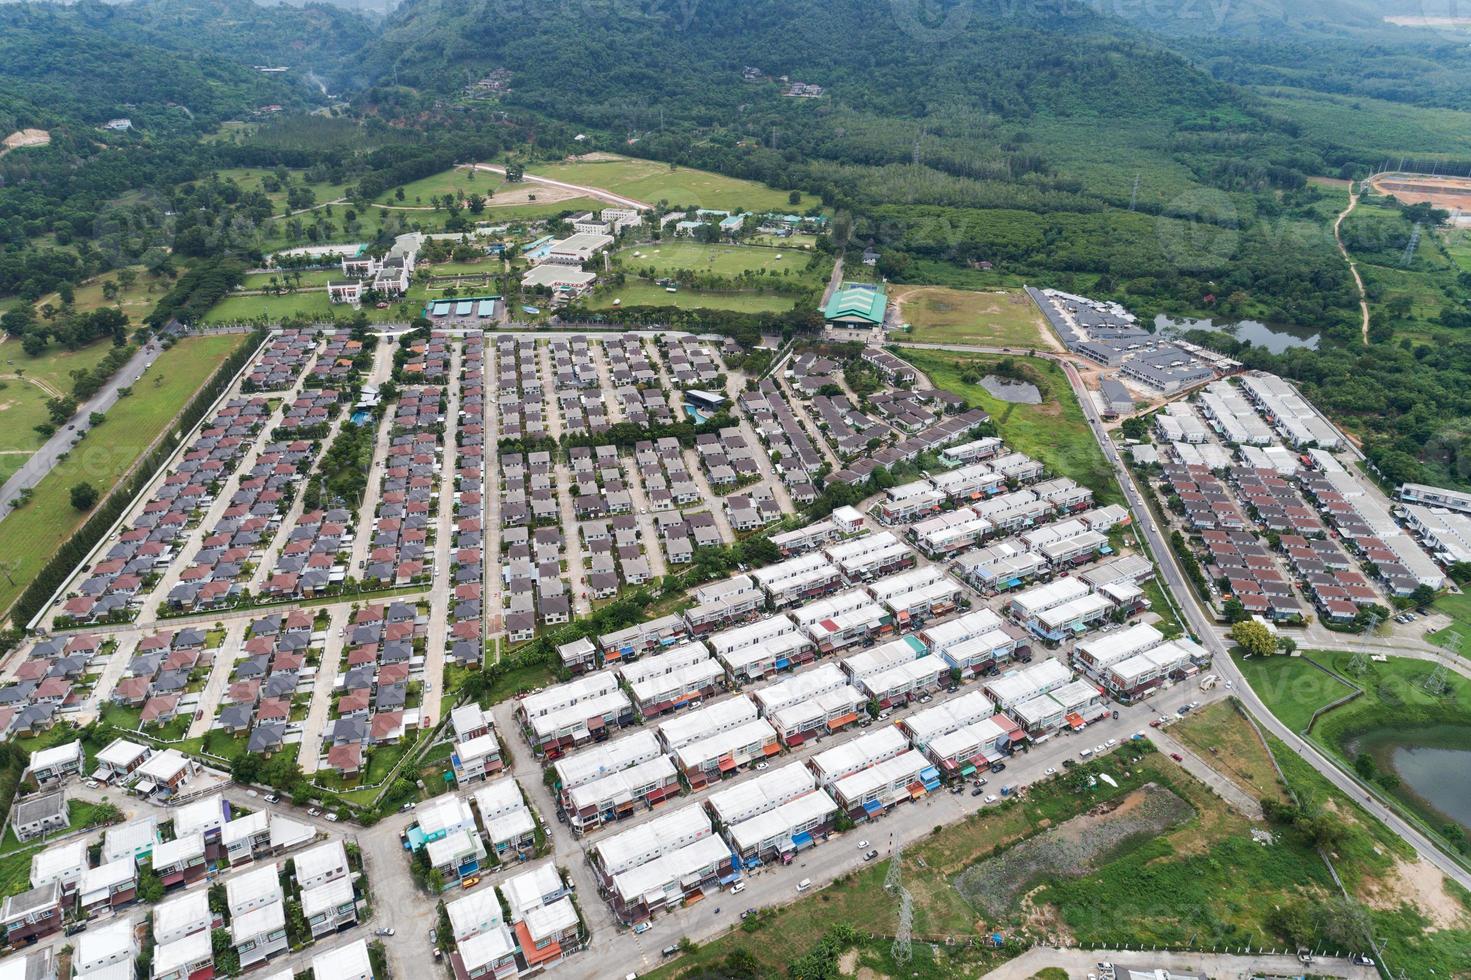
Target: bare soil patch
[[1422, 885], [1073, 849], [24, 137], [1450, 193]]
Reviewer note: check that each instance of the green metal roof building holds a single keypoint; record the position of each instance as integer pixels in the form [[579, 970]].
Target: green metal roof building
[[857, 304]]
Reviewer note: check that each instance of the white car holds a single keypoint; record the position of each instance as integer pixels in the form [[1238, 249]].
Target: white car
[[991, 798], [863, 845], [1099, 749], [332, 818], [1111, 742], [761, 766], [1051, 771]]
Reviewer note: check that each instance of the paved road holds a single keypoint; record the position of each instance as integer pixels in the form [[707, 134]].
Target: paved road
[[43, 460], [1207, 632]]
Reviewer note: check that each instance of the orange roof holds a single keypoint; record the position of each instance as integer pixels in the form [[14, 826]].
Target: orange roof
[[550, 951]]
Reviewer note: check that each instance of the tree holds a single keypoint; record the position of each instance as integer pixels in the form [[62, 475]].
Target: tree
[[1254, 638], [83, 496], [794, 198]]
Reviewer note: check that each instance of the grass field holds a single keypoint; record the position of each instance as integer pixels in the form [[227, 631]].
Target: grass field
[[234, 309], [461, 182], [136, 301], [717, 260], [1291, 687], [650, 182], [1395, 707], [1232, 748], [29, 536], [22, 407], [309, 277], [251, 179], [1054, 432], [938, 315], [647, 294], [1458, 607]]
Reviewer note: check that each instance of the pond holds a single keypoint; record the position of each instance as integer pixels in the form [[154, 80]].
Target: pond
[[1431, 762], [1271, 337]]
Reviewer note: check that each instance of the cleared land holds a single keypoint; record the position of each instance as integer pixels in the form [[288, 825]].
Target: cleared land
[[647, 294], [1220, 736], [939, 315], [651, 182], [31, 535], [1448, 193], [1054, 432]]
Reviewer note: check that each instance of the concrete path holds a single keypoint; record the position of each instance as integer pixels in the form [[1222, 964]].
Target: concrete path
[[226, 654], [1082, 963], [444, 536], [310, 753]]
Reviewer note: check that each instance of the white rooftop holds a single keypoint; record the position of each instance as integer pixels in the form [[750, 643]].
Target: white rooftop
[[351, 960]]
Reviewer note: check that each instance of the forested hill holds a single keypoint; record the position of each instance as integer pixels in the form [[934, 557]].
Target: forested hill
[[166, 64], [894, 57], [1262, 19]]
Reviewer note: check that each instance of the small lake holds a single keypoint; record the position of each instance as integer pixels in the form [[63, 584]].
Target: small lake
[[1271, 337], [1432, 762]]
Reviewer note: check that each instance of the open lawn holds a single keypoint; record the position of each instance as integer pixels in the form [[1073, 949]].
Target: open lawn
[[251, 179], [1054, 432], [136, 301], [1458, 607], [647, 294], [938, 315], [461, 182], [236, 309], [650, 182], [729, 261], [302, 279], [1291, 687], [22, 407], [29, 536], [1395, 709]]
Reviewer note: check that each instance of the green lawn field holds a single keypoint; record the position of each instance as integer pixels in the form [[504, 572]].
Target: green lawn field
[[646, 294], [29, 536], [650, 182], [136, 301], [938, 315], [250, 179], [1458, 607], [237, 309], [461, 182], [1054, 432], [720, 260], [309, 277]]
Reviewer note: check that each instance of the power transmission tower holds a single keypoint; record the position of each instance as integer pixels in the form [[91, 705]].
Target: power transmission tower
[[895, 877], [1414, 243], [1134, 195], [902, 949], [1436, 683]]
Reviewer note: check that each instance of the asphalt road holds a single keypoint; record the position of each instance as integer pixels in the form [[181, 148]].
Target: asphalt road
[[43, 460]]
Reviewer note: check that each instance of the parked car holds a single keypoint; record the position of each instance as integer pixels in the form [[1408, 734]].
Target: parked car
[[978, 791], [762, 766], [1177, 757], [272, 798], [470, 882], [669, 951], [871, 855], [862, 844], [642, 927], [333, 818], [998, 767]]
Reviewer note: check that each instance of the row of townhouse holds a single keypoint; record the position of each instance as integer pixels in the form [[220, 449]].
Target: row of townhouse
[[477, 749], [533, 924]]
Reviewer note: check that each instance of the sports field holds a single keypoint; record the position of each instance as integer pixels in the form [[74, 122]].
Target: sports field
[[29, 536], [719, 260], [650, 182], [742, 301], [938, 315]]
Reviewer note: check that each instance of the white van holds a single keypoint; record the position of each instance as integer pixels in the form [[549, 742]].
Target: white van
[[804, 884], [737, 888]]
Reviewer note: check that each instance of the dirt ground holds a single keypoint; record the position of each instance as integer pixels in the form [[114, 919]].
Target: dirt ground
[[1421, 884], [1450, 193], [597, 156], [24, 137], [513, 194]]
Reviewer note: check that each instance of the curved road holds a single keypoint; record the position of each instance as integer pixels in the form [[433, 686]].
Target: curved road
[[1209, 635], [1206, 630]]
